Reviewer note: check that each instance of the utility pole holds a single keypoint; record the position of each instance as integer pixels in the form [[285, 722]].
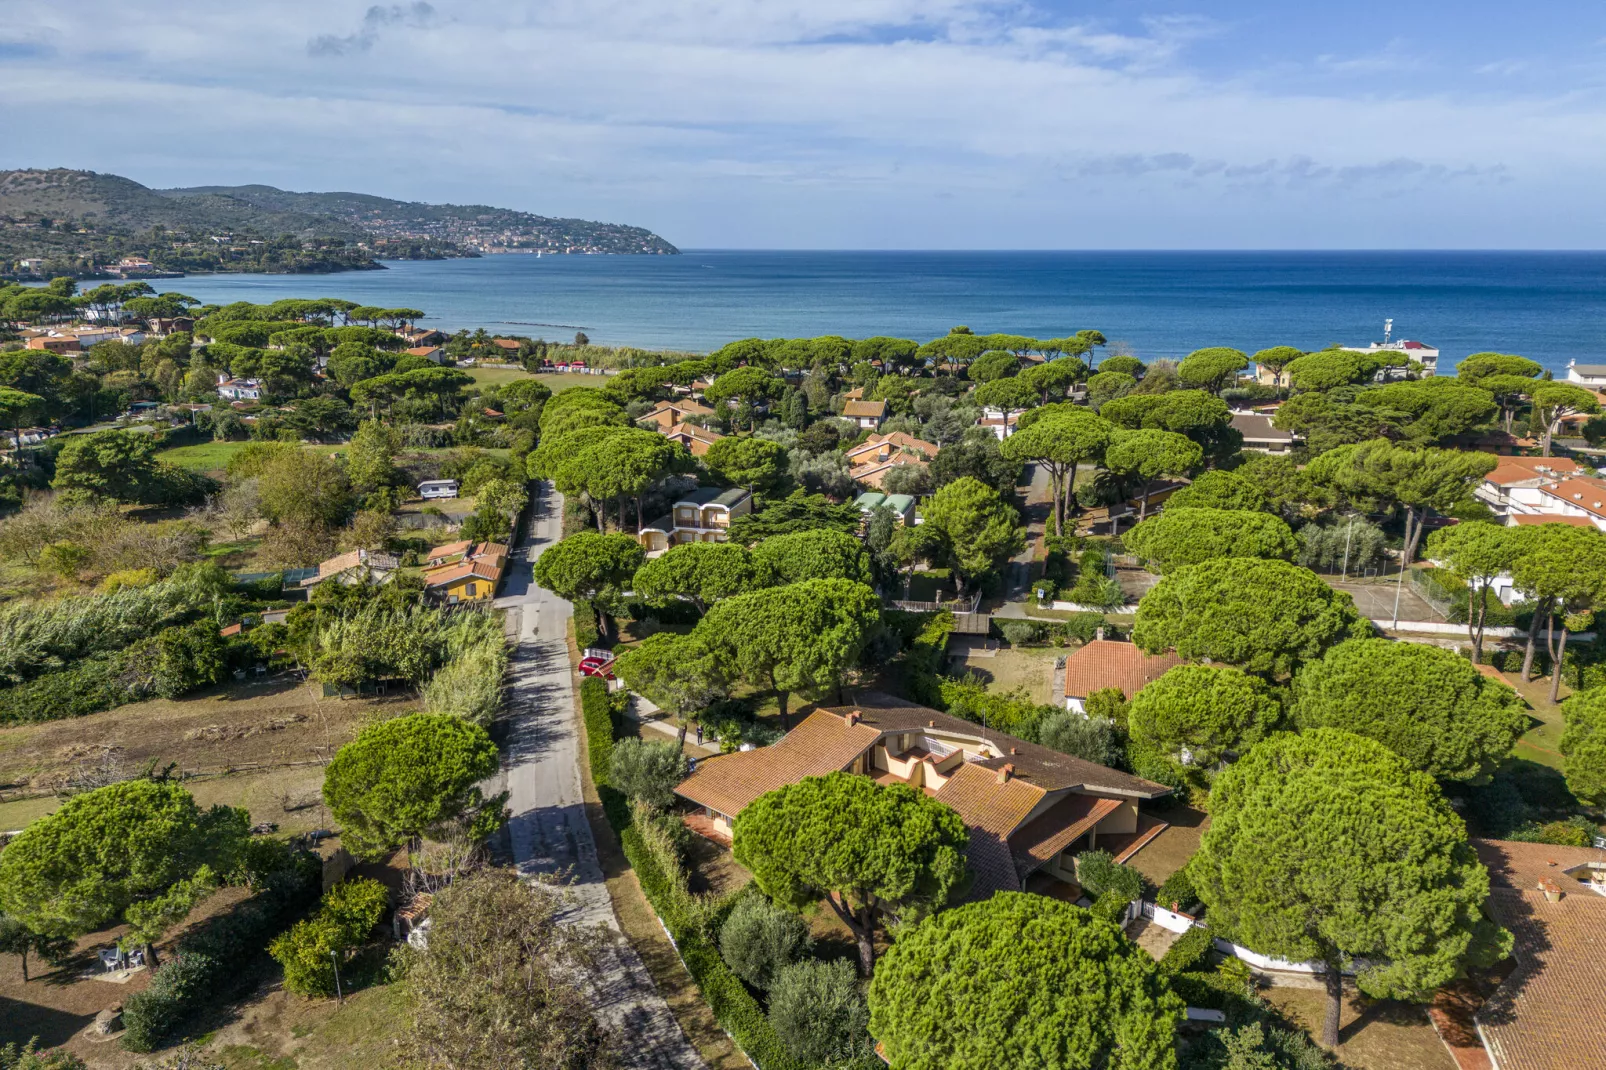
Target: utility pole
[[334, 957], [1347, 531], [1398, 588]]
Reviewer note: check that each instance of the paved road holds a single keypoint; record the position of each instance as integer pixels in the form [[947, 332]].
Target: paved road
[[548, 829]]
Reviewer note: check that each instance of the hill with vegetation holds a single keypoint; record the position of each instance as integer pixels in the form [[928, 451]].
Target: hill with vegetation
[[475, 226], [82, 223]]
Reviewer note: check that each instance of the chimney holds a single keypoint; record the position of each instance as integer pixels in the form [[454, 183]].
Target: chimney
[[1012, 750], [1099, 633], [1005, 773], [1551, 889], [931, 724], [853, 718]]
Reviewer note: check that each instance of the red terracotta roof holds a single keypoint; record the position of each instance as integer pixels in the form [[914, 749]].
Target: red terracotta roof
[[1056, 828], [1586, 494], [1529, 520], [1104, 663], [1550, 1013], [821, 744], [991, 809]]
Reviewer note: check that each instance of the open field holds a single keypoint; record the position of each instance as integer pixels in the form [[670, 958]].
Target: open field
[[215, 456], [257, 745], [557, 381]]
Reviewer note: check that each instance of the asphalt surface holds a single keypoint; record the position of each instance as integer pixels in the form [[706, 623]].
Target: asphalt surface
[[548, 829]]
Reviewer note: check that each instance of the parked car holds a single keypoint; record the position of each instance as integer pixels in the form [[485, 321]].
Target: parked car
[[597, 666]]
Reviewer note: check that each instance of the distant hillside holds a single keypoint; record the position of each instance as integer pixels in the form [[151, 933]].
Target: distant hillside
[[476, 226], [82, 223]]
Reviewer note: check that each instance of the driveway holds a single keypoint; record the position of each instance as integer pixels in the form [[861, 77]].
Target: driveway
[[548, 829]]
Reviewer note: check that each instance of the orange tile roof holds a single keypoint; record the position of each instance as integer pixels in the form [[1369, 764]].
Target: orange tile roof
[[991, 810], [1528, 520], [1586, 494], [1056, 828], [821, 744], [1550, 1012], [1105, 663], [505, 343], [1041, 766], [895, 442], [864, 408], [445, 577], [450, 549], [421, 351]]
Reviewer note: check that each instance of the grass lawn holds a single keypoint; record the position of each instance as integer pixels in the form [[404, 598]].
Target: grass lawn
[[1010, 667], [557, 381], [215, 456], [1542, 742]]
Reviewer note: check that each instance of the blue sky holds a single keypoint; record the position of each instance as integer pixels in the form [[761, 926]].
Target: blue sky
[[856, 123]]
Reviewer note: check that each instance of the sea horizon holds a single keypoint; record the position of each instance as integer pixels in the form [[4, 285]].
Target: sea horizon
[[1545, 304]]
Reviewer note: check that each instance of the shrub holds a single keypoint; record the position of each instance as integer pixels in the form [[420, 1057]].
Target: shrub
[[819, 1013], [90, 686], [1091, 738], [1178, 889], [1575, 831], [586, 629], [308, 952], [1019, 632], [1097, 872], [647, 771], [214, 955], [1188, 951], [759, 939], [1112, 907], [28, 1057], [128, 577], [178, 988]]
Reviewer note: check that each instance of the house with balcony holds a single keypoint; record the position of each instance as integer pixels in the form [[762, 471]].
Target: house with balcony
[[1514, 487], [871, 460], [704, 515], [697, 440], [1029, 809], [667, 414]]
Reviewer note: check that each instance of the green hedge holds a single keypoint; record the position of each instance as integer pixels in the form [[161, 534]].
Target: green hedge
[[90, 686], [734, 1007], [1188, 951]]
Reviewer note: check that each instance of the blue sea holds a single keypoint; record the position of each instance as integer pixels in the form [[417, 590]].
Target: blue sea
[[1548, 306]]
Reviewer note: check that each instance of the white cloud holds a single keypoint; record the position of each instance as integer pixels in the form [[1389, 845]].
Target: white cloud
[[890, 122]]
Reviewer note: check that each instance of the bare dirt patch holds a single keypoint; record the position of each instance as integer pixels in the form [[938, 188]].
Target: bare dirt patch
[[1374, 1034], [245, 727]]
